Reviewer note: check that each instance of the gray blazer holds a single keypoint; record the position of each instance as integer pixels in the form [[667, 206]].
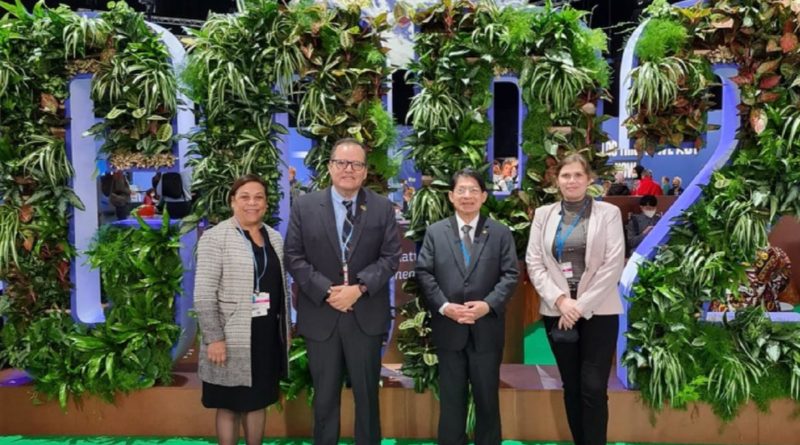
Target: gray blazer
[[491, 276], [223, 290]]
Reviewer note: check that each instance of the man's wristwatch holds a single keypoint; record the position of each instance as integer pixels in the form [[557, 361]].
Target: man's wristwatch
[[362, 288]]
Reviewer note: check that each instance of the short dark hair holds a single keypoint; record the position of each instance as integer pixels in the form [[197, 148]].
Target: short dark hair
[[242, 180], [648, 200], [469, 173], [638, 169], [348, 141]]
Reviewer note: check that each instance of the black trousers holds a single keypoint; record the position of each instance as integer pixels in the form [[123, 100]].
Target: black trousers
[[457, 370], [347, 347], [585, 367]]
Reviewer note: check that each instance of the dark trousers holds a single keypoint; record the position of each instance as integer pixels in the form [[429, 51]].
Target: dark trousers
[[122, 212], [347, 347], [457, 369], [585, 367]]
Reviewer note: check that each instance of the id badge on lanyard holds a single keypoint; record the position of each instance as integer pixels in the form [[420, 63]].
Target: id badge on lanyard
[[260, 304], [566, 266], [566, 269]]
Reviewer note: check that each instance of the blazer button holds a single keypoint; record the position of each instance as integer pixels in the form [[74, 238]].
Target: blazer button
[[466, 283]]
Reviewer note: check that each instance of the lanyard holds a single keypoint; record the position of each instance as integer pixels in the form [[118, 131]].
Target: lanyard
[[343, 244], [260, 275], [560, 241], [343, 247]]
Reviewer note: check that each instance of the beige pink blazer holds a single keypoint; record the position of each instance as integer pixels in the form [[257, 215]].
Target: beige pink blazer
[[605, 259]]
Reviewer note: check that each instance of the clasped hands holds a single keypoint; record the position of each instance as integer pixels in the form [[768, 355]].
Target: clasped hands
[[570, 314], [343, 297], [466, 313]]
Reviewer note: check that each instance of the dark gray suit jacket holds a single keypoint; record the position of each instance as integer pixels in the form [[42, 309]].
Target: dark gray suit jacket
[[313, 258], [491, 276]]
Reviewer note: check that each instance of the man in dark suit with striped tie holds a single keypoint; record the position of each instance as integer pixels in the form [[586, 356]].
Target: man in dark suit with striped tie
[[467, 304], [342, 248]]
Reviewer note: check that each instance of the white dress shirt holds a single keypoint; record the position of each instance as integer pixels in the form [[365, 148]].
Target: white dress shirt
[[461, 223]]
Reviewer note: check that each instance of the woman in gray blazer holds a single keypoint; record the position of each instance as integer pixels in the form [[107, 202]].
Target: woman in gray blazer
[[242, 304], [575, 258]]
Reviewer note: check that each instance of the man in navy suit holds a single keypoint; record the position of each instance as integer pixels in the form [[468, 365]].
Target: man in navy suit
[[342, 247], [467, 303]]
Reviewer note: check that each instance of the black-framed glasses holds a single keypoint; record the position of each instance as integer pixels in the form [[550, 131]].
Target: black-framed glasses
[[341, 164]]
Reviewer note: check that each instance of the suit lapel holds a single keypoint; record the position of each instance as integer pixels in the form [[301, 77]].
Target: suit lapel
[[591, 230], [333, 234], [455, 245], [360, 219], [478, 243], [551, 226]]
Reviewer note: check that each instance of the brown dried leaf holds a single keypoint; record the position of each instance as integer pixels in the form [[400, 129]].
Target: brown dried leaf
[[48, 103], [59, 132]]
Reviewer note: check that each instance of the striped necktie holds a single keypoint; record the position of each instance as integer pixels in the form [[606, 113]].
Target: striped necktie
[[347, 226]]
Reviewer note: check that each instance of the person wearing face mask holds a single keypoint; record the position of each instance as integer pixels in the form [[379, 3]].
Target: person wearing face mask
[[575, 258], [241, 299], [640, 224]]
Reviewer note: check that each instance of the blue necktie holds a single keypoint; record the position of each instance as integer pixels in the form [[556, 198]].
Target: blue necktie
[[467, 243]]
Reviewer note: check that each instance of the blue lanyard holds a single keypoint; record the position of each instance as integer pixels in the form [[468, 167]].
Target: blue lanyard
[[255, 263], [560, 241]]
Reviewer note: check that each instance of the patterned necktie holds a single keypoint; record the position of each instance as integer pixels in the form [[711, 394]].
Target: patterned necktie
[[347, 226], [467, 241]]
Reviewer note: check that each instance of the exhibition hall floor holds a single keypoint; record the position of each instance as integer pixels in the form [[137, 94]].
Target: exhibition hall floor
[[28, 440]]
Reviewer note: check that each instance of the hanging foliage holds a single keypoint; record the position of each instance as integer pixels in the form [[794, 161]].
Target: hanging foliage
[[670, 93], [342, 86], [40, 51], [461, 47], [134, 87], [671, 356], [235, 63]]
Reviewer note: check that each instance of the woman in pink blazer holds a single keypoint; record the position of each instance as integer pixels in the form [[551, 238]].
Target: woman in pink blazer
[[575, 258]]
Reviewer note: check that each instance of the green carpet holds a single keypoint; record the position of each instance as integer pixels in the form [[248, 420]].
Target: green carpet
[[536, 350], [76, 440]]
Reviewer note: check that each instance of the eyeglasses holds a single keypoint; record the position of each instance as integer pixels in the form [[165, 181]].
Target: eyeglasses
[[462, 191], [341, 164]]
